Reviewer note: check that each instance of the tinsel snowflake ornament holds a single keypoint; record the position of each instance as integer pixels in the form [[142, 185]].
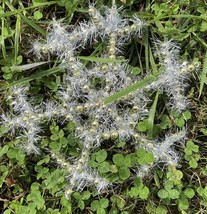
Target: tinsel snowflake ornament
[[81, 96]]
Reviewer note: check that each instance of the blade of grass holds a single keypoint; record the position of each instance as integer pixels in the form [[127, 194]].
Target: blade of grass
[[3, 48], [187, 16], [28, 66], [200, 40], [146, 45], [36, 75], [152, 61], [14, 12], [203, 76], [33, 25], [98, 59], [131, 88], [150, 120], [139, 59], [16, 39]]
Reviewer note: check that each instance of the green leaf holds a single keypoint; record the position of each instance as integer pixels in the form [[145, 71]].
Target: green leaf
[[114, 210], [101, 210], [138, 183], [144, 157], [144, 193], [192, 146], [203, 203], [4, 129], [95, 205], [118, 159], [204, 171], [180, 122], [124, 172], [77, 196], [113, 168], [16, 154], [101, 155], [104, 202], [4, 150], [173, 194], [187, 115], [38, 15], [203, 26], [86, 195], [149, 158], [121, 144], [120, 202], [36, 197], [104, 167], [188, 151], [183, 203], [163, 193], [204, 131], [54, 137], [189, 193], [142, 126], [174, 175], [130, 160], [165, 123], [168, 185], [46, 159], [136, 70], [161, 210], [193, 163], [81, 204], [202, 192], [7, 76], [61, 133], [141, 156], [134, 192], [141, 152]]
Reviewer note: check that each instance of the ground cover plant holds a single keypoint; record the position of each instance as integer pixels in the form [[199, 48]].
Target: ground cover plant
[[103, 111]]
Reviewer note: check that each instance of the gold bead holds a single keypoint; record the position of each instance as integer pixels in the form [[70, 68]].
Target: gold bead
[[79, 108], [106, 136], [79, 129], [104, 67], [135, 109], [96, 19], [114, 135], [92, 130], [111, 51], [112, 56], [95, 124], [86, 88], [191, 67], [115, 68], [107, 88], [112, 42], [133, 27], [92, 10], [127, 30]]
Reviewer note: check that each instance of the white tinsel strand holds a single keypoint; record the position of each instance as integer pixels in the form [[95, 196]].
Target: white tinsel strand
[[81, 99]]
